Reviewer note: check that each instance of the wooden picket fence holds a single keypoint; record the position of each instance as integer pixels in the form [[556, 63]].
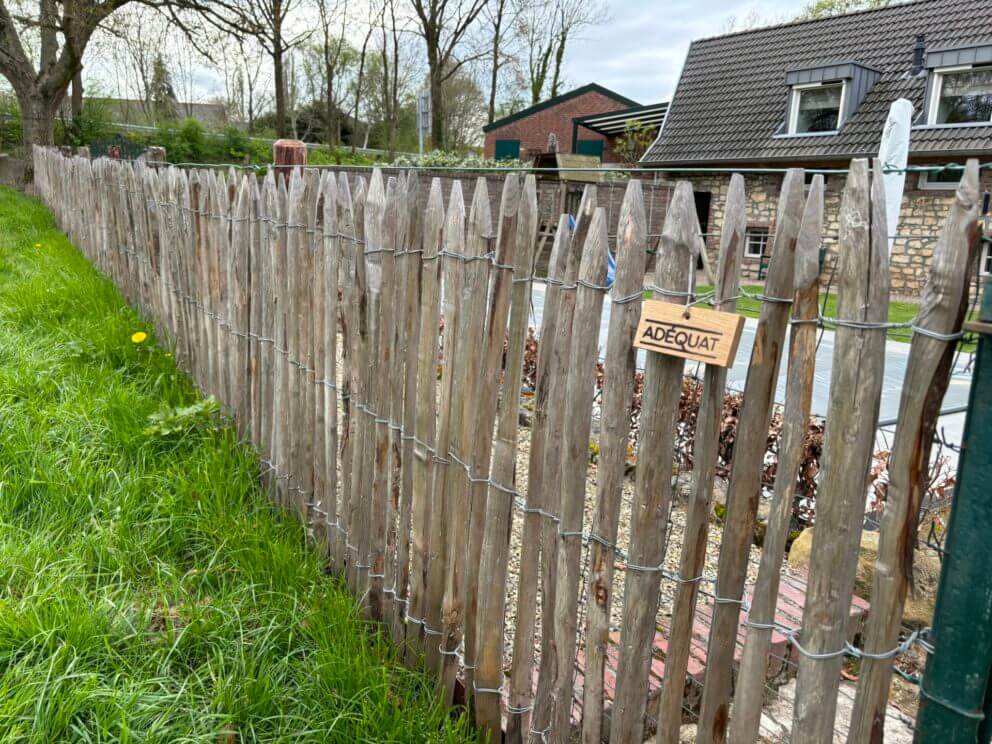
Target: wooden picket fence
[[368, 341]]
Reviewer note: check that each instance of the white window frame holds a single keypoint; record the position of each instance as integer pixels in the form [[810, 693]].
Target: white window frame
[[983, 259], [794, 107], [925, 184], [766, 232], [934, 102]]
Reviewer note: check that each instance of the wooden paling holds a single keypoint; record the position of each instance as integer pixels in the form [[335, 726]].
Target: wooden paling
[[551, 467], [856, 384], [653, 489], [705, 456], [618, 388], [749, 690], [452, 271], [499, 502], [480, 443], [522, 662], [751, 440], [942, 308], [424, 426], [581, 388], [464, 408]]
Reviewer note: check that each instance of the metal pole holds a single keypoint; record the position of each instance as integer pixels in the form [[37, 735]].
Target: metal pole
[[954, 686]]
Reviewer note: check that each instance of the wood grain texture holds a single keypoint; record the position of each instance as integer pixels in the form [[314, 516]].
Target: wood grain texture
[[942, 307], [522, 661], [480, 443], [551, 467], [618, 389], [499, 503], [751, 439], [425, 422], [574, 465], [706, 453], [452, 270], [750, 688], [464, 410], [852, 415]]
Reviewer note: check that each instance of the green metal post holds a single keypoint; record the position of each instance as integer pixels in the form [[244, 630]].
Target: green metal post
[[953, 690]]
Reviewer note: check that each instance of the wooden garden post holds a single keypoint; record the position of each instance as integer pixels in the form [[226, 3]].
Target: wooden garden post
[[706, 453], [928, 371], [751, 441], [288, 155], [750, 688], [855, 386], [618, 388]]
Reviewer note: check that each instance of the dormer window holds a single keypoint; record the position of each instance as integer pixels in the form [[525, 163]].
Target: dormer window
[[823, 97], [961, 96], [816, 109]]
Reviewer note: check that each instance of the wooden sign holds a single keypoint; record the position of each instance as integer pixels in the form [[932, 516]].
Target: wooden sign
[[698, 333]]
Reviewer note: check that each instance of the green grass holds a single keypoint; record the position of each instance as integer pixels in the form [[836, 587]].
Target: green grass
[[148, 591]]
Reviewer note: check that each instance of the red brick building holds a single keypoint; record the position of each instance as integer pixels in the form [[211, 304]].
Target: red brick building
[[584, 121]]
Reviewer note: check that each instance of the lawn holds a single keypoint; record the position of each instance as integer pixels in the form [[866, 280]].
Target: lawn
[[148, 591]]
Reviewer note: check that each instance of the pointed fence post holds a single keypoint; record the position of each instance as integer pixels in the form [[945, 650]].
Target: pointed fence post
[[750, 687], [705, 454], [618, 389], [522, 662], [575, 465], [928, 372], [750, 443], [499, 504], [852, 416], [674, 276]]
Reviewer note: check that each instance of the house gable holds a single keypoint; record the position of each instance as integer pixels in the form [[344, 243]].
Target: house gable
[[733, 97]]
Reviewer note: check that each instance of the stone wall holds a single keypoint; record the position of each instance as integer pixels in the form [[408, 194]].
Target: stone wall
[[921, 217]]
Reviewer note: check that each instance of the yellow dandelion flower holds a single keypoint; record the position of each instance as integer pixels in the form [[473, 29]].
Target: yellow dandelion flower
[[138, 337], [37, 245]]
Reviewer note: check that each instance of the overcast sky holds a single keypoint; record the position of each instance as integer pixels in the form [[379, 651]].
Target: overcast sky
[[639, 52]]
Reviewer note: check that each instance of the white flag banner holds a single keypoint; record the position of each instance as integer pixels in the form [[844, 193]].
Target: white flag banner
[[894, 154]]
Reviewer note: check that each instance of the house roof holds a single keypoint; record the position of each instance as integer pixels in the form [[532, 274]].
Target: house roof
[[732, 96], [555, 100], [615, 122]]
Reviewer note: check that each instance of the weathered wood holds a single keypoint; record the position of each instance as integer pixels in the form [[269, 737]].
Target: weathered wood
[[550, 497], [942, 308], [326, 363], [481, 442], [353, 222], [751, 440], [749, 692], [653, 489], [425, 423], [618, 388], [380, 225], [522, 662], [409, 317], [580, 390], [452, 270], [705, 456], [499, 503], [464, 409], [852, 415]]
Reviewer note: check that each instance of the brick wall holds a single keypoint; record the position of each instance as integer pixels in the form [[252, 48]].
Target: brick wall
[[533, 130], [921, 218]]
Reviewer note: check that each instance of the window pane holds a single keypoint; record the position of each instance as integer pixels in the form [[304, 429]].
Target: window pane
[[757, 240], [965, 97], [819, 109]]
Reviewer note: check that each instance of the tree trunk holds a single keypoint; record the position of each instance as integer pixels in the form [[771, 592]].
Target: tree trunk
[[437, 107], [77, 95], [37, 123], [279, 76]]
